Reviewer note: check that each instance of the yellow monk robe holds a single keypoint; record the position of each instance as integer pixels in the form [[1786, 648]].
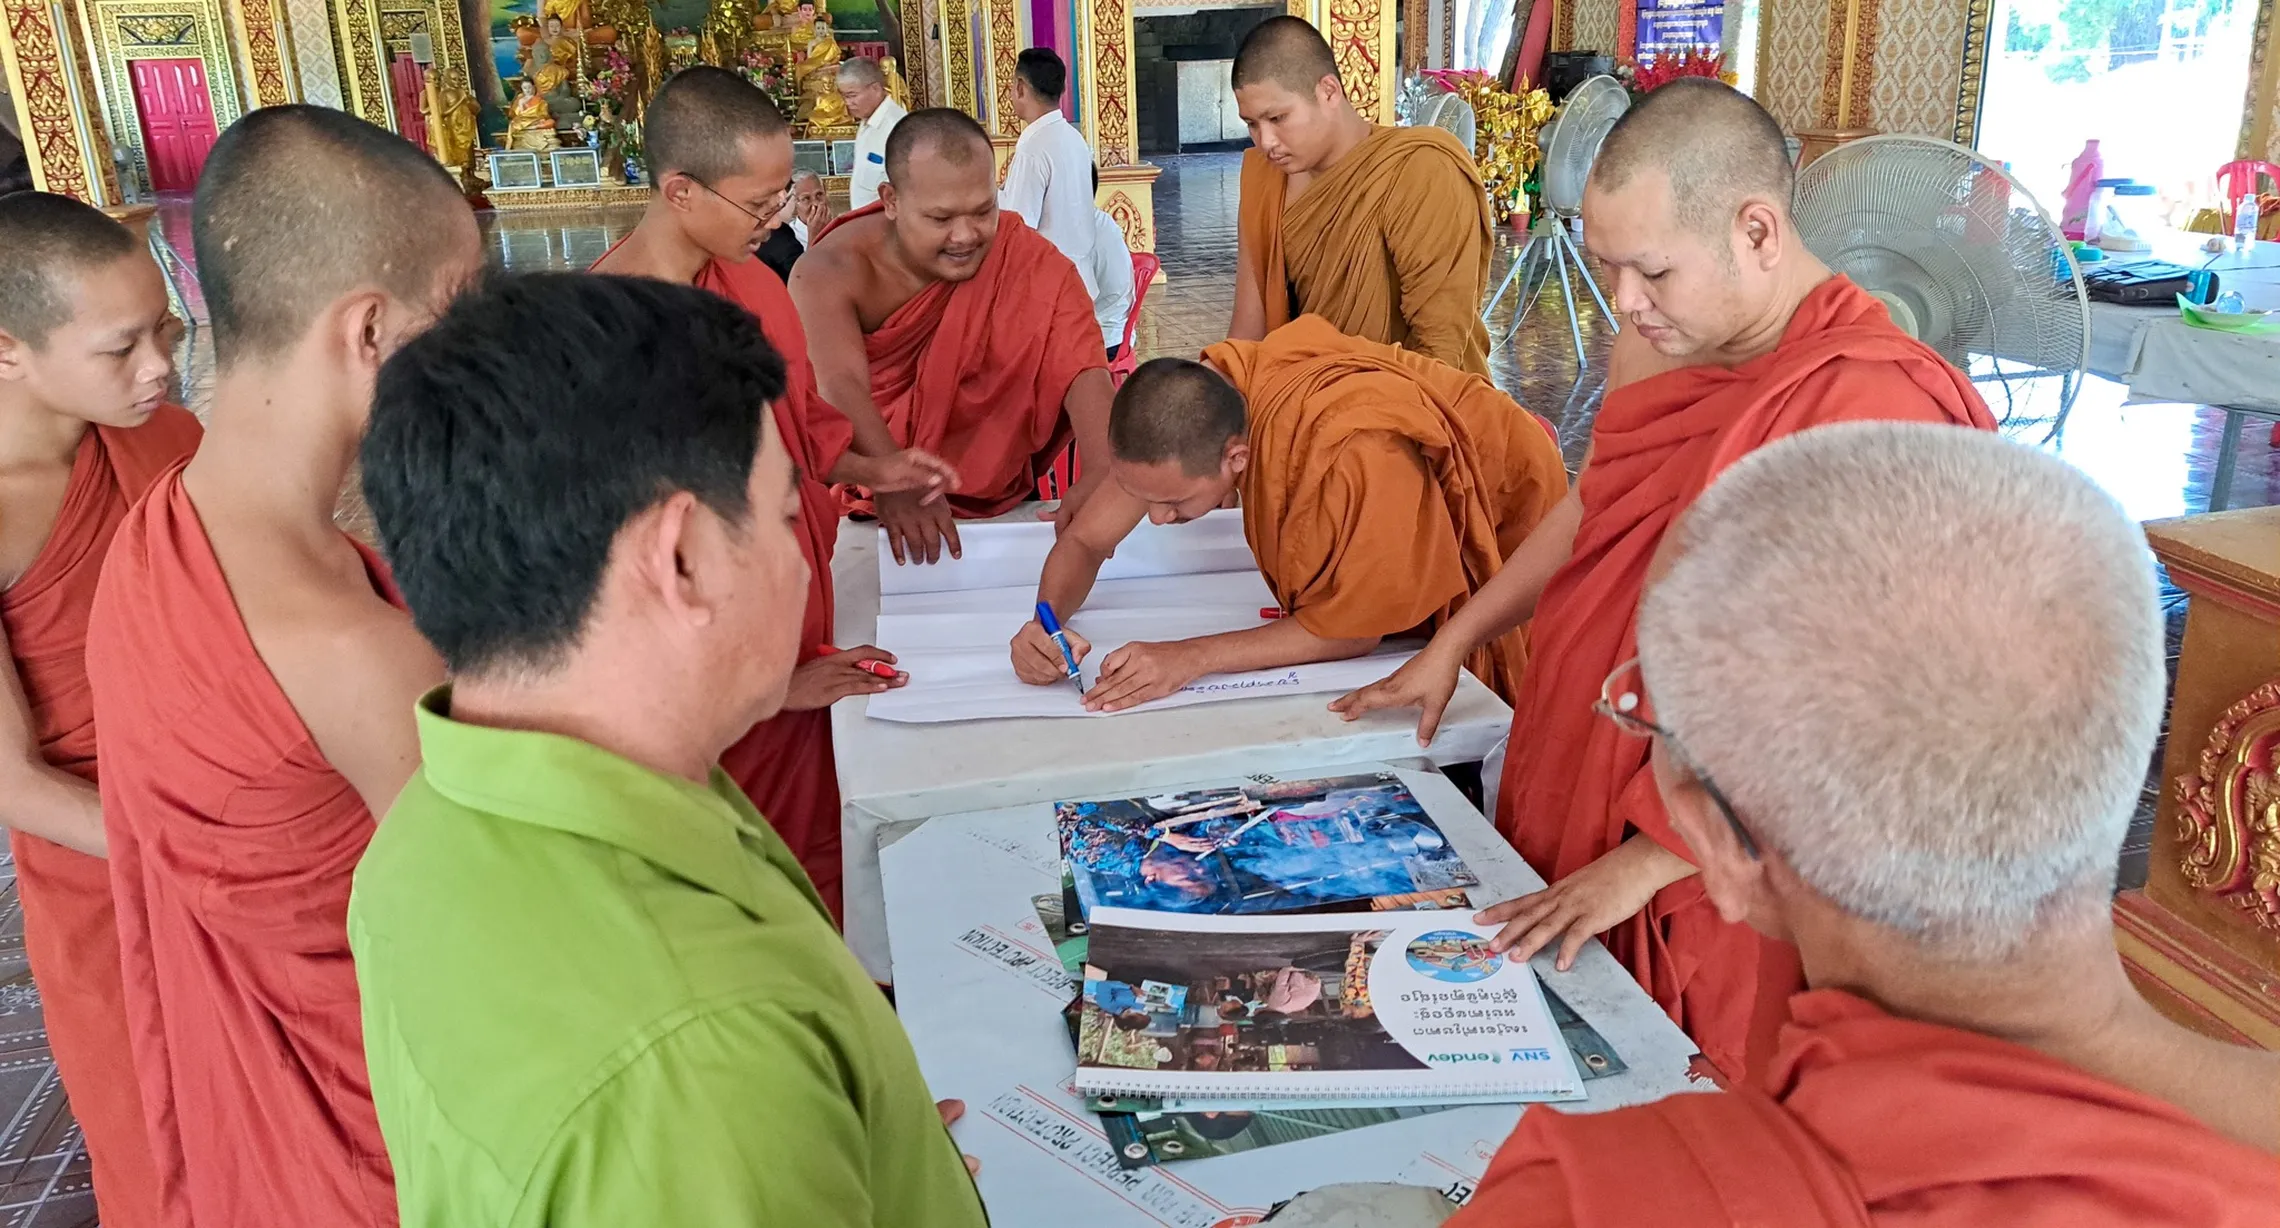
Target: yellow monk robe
[[1385, 488], [1391, 244]]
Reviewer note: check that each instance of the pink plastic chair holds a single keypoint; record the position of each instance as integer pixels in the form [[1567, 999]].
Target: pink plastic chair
[[1061, 477], [2238, 179]]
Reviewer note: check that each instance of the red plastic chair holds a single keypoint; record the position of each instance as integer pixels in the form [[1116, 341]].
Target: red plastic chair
[[1062, 475], [2238, 179]]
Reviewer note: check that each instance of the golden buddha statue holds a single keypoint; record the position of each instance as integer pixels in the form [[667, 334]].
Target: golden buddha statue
[[530, 123], [552, 61], [574, 14], [897, 88], [818, 72], [453, 131]]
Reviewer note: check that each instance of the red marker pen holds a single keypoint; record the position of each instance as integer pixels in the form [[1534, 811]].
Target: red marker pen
[[1270, 612], [877, 669]]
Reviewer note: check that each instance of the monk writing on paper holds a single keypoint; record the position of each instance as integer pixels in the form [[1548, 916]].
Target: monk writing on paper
[[1380, 491], [1733, 336], [84, 430], [720, 157], [1384, 232], [937, 322], [255, 676], [1898, 683]]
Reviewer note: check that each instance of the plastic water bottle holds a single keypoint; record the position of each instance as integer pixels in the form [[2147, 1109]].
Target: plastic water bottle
[[2244, 225]]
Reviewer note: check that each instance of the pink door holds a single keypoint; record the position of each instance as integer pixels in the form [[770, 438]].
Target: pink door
[[408, 82], [177, 117]]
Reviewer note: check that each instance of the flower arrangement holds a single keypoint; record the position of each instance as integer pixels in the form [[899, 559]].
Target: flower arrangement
[[774, 80], [1505, 125], [1644, 75], [613, 81]]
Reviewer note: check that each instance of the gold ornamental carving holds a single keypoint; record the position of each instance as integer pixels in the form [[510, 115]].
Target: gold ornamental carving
[[262, 48], [367, 95], [958, 55], [914, 52], [2228, 815], [128, 30], [1361, 37], [39, 75], [1005, 49], [1108, 88], [162, 32]]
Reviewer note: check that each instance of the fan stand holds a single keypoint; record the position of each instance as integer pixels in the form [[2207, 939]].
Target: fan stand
[[1549, 240]]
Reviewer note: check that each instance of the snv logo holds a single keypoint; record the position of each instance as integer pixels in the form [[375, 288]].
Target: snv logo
[[1531, 1055]]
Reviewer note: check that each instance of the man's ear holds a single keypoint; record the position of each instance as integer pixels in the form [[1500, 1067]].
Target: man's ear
[[1730, 876], [663, 546], [1762, 234], [13, 354], [1236, 457]]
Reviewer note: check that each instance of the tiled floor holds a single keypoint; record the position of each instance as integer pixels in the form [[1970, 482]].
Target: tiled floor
[[2156, 460]]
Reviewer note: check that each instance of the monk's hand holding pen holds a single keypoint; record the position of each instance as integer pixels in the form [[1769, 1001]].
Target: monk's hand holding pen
[[1589, 902], [1037, 659], [825, 680], [1138, 673]]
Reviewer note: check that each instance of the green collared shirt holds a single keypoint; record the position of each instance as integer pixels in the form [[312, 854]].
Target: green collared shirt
[[598, 995]]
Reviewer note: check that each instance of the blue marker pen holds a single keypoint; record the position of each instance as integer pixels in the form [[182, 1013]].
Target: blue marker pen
[[1052, 627]]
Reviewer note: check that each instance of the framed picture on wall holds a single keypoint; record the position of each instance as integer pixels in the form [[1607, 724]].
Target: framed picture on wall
[[577, 168], [515, 170]]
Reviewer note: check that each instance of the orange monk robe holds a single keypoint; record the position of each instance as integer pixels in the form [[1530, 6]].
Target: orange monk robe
[[976, 371], [70, 931], [232, 843], [785, 764], [1865, 1119], [1391, 244], [1574, 785], [1385, 488]]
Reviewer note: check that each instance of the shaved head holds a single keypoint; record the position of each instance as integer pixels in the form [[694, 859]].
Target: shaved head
[[940, 132], [1174, 409], [1284, 51], [862, 70], [48, 240], [299, 205], [1925, 665], [698, 124], [1718, 147]]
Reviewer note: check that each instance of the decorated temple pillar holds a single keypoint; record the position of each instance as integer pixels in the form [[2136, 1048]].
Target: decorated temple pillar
[[53, 84], [1361, 34]]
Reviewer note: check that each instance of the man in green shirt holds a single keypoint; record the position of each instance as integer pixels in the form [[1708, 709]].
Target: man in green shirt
[[597, 989]]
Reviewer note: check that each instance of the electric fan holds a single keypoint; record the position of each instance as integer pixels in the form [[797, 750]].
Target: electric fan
[[1571, 144], [1450, 113], [1960, 253]]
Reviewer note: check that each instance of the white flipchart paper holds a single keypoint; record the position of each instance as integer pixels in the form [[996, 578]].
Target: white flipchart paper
[[951, 624]]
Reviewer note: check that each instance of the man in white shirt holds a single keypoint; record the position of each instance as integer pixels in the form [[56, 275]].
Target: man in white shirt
[[1110, 276], [863, 86], [1049, 182]]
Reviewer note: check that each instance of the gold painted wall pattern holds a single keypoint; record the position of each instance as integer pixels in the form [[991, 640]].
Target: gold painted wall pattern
[[958, 55], [1362, 40], [1004, 37], [1106, 28], [262, 50], [33, 54]]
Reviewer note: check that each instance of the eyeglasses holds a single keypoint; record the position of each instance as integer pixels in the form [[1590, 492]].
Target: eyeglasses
[[760, 221], [1622, 707]]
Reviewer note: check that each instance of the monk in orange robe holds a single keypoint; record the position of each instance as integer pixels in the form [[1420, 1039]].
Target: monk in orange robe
[[1380, 491], [1899, 683], [1734, 335], [255, 676], [720, 157], [937, 322], [84, 367], [1384, 232]]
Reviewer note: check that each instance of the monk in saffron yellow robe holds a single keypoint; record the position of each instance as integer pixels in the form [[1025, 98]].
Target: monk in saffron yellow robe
[[1380, 490], [1384, 232]]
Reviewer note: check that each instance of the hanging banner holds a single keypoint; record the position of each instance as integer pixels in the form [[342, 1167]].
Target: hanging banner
[[1674, 25]]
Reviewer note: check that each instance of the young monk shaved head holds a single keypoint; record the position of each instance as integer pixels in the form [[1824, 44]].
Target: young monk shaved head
[[299, 206], [939, 322], [720, 157], [85, 360], [264, 721], [1179, 438], [1404, 536], [1383, 232], [1900, 682], [941, 192], [1734, 335], [1688, 205]]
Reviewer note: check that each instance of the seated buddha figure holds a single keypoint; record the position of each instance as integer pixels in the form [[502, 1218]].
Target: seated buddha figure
[[530, 122], [818, 72]]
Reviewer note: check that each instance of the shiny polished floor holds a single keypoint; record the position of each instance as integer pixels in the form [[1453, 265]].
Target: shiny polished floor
[[2156, 460]]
